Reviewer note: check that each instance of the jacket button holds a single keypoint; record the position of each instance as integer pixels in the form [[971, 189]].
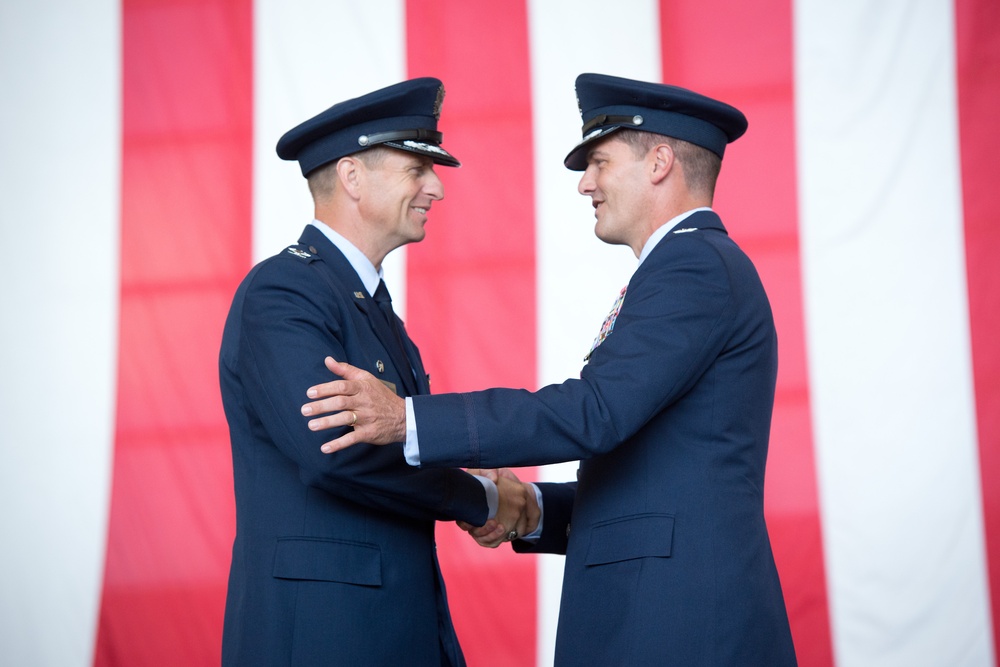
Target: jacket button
[[568, 526]]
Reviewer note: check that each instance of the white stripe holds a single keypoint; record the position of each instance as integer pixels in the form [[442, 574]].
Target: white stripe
[[888, 336], [579, 277], [309, 56], [59, 167]]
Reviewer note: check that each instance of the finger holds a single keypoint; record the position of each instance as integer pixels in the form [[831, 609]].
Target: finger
[[332, 404], [492, 537], [343, 442], [489, 528], [334, 388], [331, 421]]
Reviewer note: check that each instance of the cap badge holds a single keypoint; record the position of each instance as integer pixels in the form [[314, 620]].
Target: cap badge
[[438, 102]]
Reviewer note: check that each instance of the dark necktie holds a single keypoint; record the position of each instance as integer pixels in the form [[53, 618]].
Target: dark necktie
[[384, 302]]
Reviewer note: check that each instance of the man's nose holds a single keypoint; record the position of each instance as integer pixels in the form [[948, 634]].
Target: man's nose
[[586, 185], [434, 186]]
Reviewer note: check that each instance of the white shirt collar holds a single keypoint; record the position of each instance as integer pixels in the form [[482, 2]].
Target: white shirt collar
[[663, 230], [363, 266]]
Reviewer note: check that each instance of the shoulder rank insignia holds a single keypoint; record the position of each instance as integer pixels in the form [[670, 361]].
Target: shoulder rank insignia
[[302, 254], [686, 229]]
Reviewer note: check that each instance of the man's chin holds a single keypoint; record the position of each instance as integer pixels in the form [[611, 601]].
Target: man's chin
[[609, 238], [603, 234]]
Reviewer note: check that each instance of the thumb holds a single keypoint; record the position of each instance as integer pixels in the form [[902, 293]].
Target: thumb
[[489, 474], [507, 473]]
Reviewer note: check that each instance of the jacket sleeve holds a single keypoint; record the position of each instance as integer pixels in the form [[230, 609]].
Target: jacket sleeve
[[557, 501], [286, 322], [675, 320]]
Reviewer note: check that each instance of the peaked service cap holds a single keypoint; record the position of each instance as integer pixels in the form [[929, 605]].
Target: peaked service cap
[[403, 116], [610, 103]]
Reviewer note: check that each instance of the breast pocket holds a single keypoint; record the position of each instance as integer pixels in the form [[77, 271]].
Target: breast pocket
[[316, 559], [628, 538]]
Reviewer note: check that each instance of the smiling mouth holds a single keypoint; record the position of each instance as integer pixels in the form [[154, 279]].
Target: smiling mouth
[[421, 210]]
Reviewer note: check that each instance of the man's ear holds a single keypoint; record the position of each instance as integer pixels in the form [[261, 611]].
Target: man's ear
[[350, 173], [661, 159]]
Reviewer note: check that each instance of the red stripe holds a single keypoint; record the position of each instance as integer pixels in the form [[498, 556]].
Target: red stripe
[[978, 58], [757, 200], [185, 244], [471, 297]]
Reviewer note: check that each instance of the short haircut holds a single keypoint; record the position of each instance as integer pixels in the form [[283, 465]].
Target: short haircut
[[701, 166], [323, 180]]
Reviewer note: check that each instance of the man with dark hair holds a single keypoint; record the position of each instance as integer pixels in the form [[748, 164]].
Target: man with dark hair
[[668, 560]]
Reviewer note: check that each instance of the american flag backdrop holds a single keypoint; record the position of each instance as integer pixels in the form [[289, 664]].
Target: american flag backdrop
[[139, 183]]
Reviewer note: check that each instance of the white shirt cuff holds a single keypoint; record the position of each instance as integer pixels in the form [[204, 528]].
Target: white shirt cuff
[[534, 535], [411, 450], [492, 495]]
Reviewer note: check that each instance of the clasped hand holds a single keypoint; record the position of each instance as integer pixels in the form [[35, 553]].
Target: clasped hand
[[378, 417], [518, 510]]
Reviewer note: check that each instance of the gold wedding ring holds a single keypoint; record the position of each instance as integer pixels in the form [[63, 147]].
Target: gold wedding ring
[[354, 419]]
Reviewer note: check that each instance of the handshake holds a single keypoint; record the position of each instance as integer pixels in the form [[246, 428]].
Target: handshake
[[517, 514]]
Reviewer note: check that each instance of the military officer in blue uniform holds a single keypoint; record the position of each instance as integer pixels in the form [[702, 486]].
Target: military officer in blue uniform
[[668, 560], [334, 558]]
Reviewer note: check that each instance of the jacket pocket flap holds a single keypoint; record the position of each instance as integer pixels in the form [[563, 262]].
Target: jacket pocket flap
[[328, 560], [639, 536]]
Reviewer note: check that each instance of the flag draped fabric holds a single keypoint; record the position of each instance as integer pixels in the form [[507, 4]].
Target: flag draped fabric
[[139, 183]]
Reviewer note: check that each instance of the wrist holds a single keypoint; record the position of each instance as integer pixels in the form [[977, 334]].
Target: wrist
[[533, 512]]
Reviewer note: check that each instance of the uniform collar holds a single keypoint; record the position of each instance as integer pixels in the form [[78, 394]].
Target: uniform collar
[[369, 275], [664, 229]]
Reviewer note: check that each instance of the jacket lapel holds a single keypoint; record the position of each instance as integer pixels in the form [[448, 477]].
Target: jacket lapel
[[344, 274], [387, 338]]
